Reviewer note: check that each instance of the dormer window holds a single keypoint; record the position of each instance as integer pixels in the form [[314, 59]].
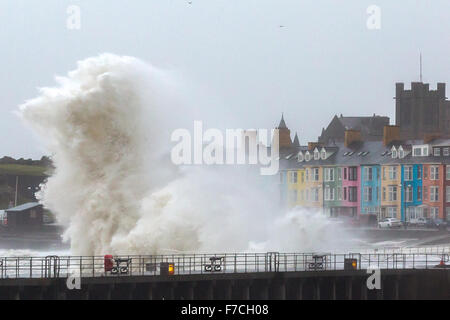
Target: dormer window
[[446, 152], [437, 152], [307, 156], [316, 154], [420, 151], [394, 153], [300, 157], [323, 154]]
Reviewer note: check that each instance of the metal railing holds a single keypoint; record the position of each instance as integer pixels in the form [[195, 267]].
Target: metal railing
[[207, 264]]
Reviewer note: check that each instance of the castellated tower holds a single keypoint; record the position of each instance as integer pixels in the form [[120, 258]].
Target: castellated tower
[[421, 111]]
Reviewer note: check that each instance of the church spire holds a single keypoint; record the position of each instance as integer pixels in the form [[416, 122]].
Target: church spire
[[282, 124], [284, 134]]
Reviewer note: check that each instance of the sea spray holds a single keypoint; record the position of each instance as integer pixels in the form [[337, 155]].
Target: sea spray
[[107, 126]]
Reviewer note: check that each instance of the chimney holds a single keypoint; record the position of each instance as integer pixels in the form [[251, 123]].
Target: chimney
[[390, 133], [313, 145], [430, 137], [351, 136]]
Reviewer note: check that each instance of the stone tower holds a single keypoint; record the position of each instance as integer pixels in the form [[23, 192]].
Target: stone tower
[[285, 134], [420, 111]]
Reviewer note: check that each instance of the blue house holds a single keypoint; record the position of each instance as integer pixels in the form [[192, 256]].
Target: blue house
[[412, 194], [370, 190]]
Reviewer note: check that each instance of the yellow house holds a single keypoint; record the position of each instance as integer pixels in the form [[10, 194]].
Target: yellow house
[[313, 193], [390, 191], [295, 187]]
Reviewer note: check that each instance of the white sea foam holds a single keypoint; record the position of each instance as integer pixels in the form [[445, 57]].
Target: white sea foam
[[107, 126]]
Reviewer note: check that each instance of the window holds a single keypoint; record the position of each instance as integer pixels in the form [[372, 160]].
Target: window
[[408, 194], [408, 173], [339, 172], [300, 157], [419, 172], [293, 196], [447, 169], [329, 194], [315, 194], [384, 193], [345, 193], [368, 173], [394, 154], [434, 173], [307, 174], [323, 154], [293, 176], [315, 174], [419, 193], [417, 152], [392, 173], [329, 174], [353, 173], [316, 154], [446, 151], [434, 212], [425, 193], [302, 176], [345, 173], [436, 152], [392, 193], [352, 194], [425, 172], [307, 156], [392, 212], [384, 173], [447, 191], [420, 151], [413, 213], [434, 193], [367, 194], [339, 193]]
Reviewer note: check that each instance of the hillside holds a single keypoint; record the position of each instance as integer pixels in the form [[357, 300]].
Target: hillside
[[20, 169]]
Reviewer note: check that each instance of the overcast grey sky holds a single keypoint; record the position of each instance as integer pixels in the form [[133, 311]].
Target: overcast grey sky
[[324, 61]]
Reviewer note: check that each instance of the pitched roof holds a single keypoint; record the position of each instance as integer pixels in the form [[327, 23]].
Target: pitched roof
[[368, 125], [296, 142], [282, 124], [24, 207]]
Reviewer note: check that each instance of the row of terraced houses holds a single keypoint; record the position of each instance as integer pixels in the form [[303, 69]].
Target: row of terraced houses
[[365, 168]]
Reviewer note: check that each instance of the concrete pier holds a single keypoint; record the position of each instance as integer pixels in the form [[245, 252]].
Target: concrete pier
[[323, 285]]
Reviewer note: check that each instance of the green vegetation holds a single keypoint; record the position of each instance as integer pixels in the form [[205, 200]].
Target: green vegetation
[[20, 169]]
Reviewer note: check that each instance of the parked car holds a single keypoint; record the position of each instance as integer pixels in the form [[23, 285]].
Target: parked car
[[418, 221], [389, 223], [436, 223]]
